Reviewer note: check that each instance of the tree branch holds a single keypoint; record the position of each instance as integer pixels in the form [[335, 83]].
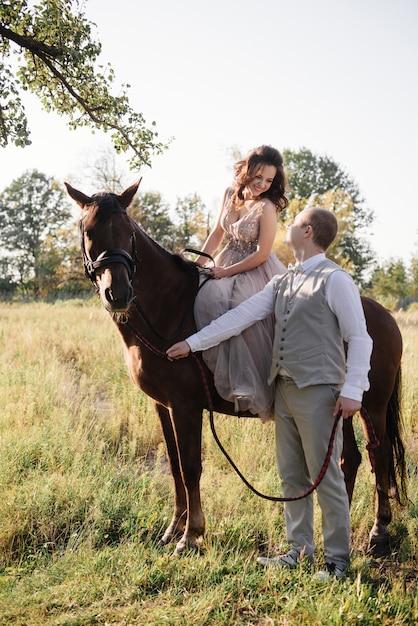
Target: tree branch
[[29, 43], [88, 110]]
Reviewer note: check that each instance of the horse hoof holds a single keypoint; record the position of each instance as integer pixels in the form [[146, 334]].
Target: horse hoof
[[187, 545], [172, 533], [379, 541], [181, 547], [163, 542], [165, 539], [178, 551]]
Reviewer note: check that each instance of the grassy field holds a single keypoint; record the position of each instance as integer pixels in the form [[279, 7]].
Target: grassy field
[[86, 494]]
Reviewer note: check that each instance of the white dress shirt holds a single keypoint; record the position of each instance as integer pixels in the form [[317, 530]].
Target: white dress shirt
[[343, 298]]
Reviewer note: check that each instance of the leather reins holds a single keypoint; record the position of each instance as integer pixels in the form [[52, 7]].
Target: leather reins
[[373, 443], [119, 255]]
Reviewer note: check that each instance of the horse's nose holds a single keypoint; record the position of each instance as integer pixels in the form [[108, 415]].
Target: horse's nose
[[117, 300]]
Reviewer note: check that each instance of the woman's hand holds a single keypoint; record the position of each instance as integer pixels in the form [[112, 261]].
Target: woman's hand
[[178, 351], [217, 272]]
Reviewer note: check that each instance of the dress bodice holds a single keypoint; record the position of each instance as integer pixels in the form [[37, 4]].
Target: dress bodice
[[242, 233]]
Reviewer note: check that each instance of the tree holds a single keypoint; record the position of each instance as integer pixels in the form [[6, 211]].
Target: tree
[[389, 284], [186, 229], [413, 271], [316, 179], [192, 217], [61, 272], [33, 209], [153, 214], [8, 283], [58, 62]]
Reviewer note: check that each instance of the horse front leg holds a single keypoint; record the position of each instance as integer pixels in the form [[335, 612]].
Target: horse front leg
[[177, 525], [182, 430], [187, 425]]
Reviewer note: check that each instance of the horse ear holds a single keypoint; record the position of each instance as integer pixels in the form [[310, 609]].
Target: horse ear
[[126, 196], [78, 196]]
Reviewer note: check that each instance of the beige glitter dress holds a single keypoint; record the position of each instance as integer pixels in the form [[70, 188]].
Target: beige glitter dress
[[241, 364]]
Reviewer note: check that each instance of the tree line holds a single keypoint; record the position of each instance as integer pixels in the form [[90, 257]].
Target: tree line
[[40, 249]]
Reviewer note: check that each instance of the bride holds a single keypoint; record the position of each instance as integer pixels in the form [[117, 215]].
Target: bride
[[248, 220]]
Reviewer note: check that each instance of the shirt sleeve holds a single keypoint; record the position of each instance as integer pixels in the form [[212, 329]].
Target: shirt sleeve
[[234, 321], [344, 301]]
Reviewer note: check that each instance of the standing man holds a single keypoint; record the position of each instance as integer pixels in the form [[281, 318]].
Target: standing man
[[317, 307]]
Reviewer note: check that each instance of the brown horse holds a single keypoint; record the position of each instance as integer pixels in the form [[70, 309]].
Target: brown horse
[[150, 294]]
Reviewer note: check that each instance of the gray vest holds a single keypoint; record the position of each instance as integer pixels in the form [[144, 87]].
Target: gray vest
[[307, 339]]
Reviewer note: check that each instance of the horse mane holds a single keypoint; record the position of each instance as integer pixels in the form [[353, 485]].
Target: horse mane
[[188, 267]]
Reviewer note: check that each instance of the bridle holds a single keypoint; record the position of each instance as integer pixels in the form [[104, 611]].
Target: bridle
[[129, 261], [114, 255]]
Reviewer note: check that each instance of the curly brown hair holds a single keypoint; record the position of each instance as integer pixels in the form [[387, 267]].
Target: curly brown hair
[[246, 170]]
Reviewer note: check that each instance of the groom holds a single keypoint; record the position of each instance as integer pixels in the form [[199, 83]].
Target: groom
[[317, 307]]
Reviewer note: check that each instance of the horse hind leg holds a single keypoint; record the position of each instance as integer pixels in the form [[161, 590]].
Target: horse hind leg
[[379, 538], [350, 458], [390, 469], [383, 403], [350, 462]]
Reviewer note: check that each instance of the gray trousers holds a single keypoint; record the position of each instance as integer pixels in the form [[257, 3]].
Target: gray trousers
[[304, 421]]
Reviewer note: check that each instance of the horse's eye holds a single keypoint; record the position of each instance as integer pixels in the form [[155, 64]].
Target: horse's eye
[[89, 234]]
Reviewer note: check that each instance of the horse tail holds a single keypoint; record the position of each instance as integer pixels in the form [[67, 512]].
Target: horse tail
[[394, 427]]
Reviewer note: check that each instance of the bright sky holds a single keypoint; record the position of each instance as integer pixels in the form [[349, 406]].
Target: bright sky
[[339, 77]]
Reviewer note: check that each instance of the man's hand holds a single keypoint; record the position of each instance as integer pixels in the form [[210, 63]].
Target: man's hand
[[347, 406], [178, 351]]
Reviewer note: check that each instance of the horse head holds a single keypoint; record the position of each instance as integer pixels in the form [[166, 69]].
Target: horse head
[[108, 244]]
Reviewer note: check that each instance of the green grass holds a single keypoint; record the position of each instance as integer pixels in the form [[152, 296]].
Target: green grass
[[86, 494]]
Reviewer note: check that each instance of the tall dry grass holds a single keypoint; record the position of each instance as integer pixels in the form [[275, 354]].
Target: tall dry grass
[[86, 494]]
